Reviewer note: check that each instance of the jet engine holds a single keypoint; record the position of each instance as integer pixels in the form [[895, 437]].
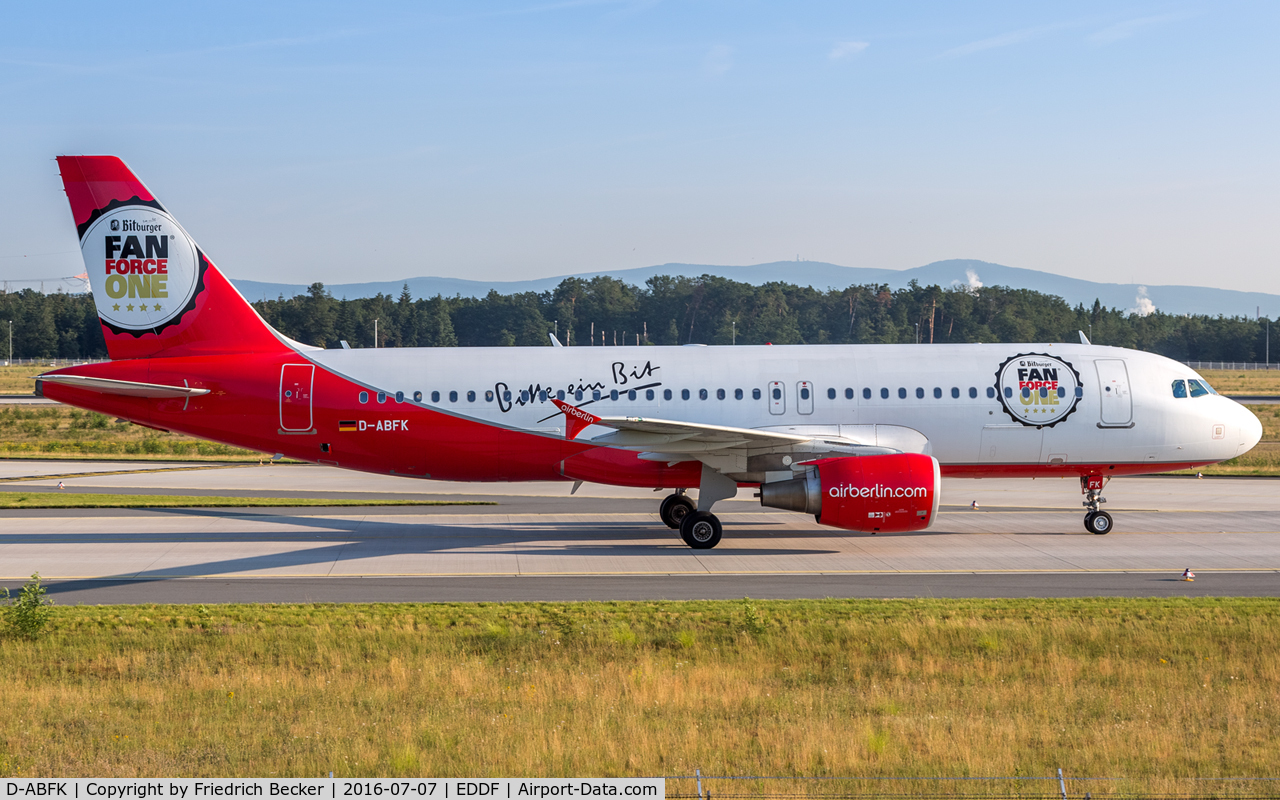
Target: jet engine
[[891, 493]]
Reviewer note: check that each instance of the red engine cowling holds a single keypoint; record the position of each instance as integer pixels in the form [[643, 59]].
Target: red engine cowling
[[890, 493]]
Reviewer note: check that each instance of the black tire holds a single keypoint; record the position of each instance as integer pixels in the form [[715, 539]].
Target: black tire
[[674, 509], [1098, 522], [701, 530]]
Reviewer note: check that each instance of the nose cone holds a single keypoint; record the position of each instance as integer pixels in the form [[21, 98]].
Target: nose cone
[[1250, 430]]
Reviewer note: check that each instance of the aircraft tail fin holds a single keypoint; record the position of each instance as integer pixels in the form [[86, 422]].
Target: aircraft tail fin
[[155, 290]]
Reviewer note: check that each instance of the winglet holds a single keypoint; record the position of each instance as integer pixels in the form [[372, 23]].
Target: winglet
[[576, 418]]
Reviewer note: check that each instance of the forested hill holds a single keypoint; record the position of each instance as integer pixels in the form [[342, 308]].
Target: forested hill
[[669, 311]]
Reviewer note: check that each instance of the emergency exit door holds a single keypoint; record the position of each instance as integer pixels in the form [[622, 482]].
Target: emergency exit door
[[777, 397], [295, 396]]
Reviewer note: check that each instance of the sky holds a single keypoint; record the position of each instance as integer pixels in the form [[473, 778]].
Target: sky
[[1113, 141]]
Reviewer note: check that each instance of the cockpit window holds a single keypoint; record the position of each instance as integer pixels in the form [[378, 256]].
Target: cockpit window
[[1197, 388], [1179, 388]]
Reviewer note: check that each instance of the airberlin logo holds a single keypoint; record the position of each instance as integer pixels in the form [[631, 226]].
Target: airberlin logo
[[1038, 389], [878, 490], [142, 267]]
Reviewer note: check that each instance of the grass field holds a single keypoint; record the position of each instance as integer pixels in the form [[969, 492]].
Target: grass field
[[68, 433], [1245, 381], [88, 500], [1150, 690]]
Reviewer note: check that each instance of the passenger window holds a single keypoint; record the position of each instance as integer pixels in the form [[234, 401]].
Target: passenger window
[[488, 396], [435, 397], [506, 395], [613, 394], [417, 397], [955, 392], [382, 397], [684, 394], [884, 393], [1197, 388], [1062, 391], [364, 397], [453, 396], [1026, 392], [902, 393], [1044, 391], [666, 394], [737, 394], [973, 391], [559, 395], [399, 397], [1079, 391], [804, 392], [866, 393], [577, 396], [631, 395], [777, 394], [524, 395], [1008, 391], [471, 397], [719, 394], [542, 395], [648, 394], [595, 394], [702, 394], [991, 392], [848, 394], [755, 394], [937, 393], [831, 394]]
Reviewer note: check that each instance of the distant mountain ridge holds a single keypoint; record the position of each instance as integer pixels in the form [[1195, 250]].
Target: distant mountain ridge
[[820, 275]]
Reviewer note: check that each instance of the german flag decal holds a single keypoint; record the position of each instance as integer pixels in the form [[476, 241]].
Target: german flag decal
[[347, 425]]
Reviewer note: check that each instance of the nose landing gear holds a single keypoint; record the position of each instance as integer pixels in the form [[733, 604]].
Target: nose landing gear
[[1096, 521]]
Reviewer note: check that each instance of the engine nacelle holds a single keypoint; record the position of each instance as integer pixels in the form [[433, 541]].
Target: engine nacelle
[[890, 493]]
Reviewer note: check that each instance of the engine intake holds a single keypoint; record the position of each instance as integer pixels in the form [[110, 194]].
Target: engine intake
[[892, 493]]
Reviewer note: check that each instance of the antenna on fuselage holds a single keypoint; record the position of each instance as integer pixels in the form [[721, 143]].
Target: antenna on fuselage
[[1084, 339]]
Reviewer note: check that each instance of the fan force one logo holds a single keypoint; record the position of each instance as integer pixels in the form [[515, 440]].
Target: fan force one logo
[[1038, 389], [142, 267]]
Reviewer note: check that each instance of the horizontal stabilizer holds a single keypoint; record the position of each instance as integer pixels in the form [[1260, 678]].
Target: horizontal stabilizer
[[126, 388]]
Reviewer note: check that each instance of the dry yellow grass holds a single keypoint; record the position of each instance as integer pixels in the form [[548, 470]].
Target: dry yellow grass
[[1156, 692], [1252, 381], [68, 433]]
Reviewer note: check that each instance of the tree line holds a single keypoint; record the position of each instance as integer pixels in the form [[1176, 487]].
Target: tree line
[[677, 310]]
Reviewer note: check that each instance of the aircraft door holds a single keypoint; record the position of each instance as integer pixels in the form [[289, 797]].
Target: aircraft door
[[295, 396], [1113, 386], [804, 397], [777, 397]]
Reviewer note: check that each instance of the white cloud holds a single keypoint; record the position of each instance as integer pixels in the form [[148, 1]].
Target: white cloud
[[718, 60], [1004, 40], [1123, 30], [846, 49], [1143, 307]]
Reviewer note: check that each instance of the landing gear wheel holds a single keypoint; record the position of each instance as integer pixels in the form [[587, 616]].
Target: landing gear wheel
[[674, 509], [701, 530], [1098, 522]]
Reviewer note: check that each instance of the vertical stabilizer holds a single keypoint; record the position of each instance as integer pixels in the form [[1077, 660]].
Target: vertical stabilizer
[[155, 290]]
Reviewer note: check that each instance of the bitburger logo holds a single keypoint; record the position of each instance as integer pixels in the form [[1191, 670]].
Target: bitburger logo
[[142, 266], [1038, 389]]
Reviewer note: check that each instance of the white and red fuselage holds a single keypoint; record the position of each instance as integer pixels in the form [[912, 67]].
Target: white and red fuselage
[[191, 355]]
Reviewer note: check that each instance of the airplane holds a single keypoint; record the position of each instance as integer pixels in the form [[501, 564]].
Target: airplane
[[859, 436]]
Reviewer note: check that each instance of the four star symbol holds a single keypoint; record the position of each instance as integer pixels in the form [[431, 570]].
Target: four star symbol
[[157, 307], [115, 307], [129, 307]]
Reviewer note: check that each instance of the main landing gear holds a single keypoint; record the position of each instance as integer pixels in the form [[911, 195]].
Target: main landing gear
[[701, 530], [1095, 520]]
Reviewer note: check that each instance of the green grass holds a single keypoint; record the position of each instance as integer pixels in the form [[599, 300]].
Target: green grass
[[87, 500], [1155, 692]]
